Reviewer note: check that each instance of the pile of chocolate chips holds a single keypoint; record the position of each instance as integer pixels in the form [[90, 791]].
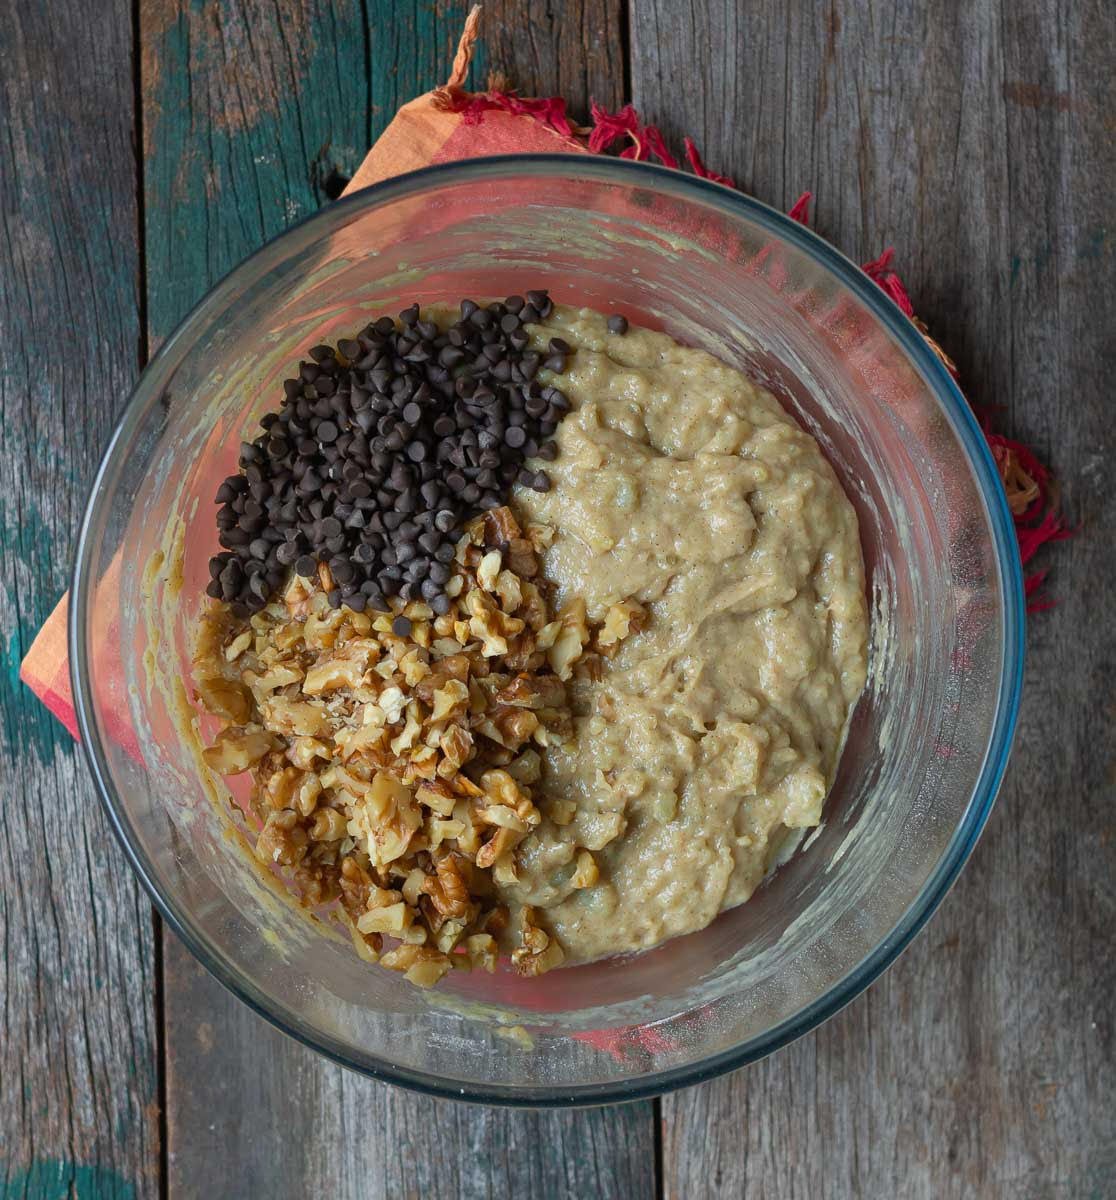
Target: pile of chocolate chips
[[382, 448]]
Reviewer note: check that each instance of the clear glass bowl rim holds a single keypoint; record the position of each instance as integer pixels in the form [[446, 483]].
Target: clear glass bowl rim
[[998, 519]]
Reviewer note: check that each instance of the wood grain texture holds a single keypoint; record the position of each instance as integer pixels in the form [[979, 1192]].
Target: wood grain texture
[[977, 139], [410, 46], [572, 48], [255, 1114], [238, 99], [235, 149], [78, 1087]]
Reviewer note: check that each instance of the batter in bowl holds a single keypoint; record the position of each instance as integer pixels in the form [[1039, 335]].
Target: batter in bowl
[[718, 728], [538, 634]]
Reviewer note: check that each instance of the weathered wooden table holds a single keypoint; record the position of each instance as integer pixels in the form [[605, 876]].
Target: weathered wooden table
[[147, 147]]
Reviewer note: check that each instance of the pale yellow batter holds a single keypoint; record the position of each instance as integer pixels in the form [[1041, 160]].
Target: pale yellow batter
[[718, 728]]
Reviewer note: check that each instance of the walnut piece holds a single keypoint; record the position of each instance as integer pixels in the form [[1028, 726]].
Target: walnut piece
[[393, 774]]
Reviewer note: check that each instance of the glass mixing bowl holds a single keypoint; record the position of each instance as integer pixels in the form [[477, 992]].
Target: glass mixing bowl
[[928, 742]]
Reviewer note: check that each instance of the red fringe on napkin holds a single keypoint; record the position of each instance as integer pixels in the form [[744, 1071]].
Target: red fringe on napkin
[[550, 111], [1034, 507]]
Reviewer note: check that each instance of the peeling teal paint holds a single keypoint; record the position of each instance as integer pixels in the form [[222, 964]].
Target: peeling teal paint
[[1032, 264], [57, 1179], [218, 185], [1100, 1180], [1096, 244], [24, 722]]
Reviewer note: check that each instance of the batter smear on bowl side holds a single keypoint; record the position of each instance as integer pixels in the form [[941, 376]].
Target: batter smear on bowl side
[[556, 648]]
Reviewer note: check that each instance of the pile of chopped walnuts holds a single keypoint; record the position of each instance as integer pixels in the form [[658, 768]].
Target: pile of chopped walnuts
[[393, 754]]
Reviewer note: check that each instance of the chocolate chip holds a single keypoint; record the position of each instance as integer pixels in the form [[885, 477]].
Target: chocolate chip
[[381, 448], [618, 324], [401, 627]]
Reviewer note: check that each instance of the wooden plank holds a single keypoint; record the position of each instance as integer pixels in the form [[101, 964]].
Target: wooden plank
[[229, 142], [247, 1104], [573, 49], [78, 1085], [978, 140], [235, 149]]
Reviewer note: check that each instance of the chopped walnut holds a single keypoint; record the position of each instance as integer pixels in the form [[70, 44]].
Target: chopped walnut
[[537, 951], [225, 698], [237, 748], [422, 965], [394, 774], [329, 826], [482, 951], [282, 840], [620, 621], [447, 887], [586, 873], [498, 527], [521, 558], [534, 691]]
